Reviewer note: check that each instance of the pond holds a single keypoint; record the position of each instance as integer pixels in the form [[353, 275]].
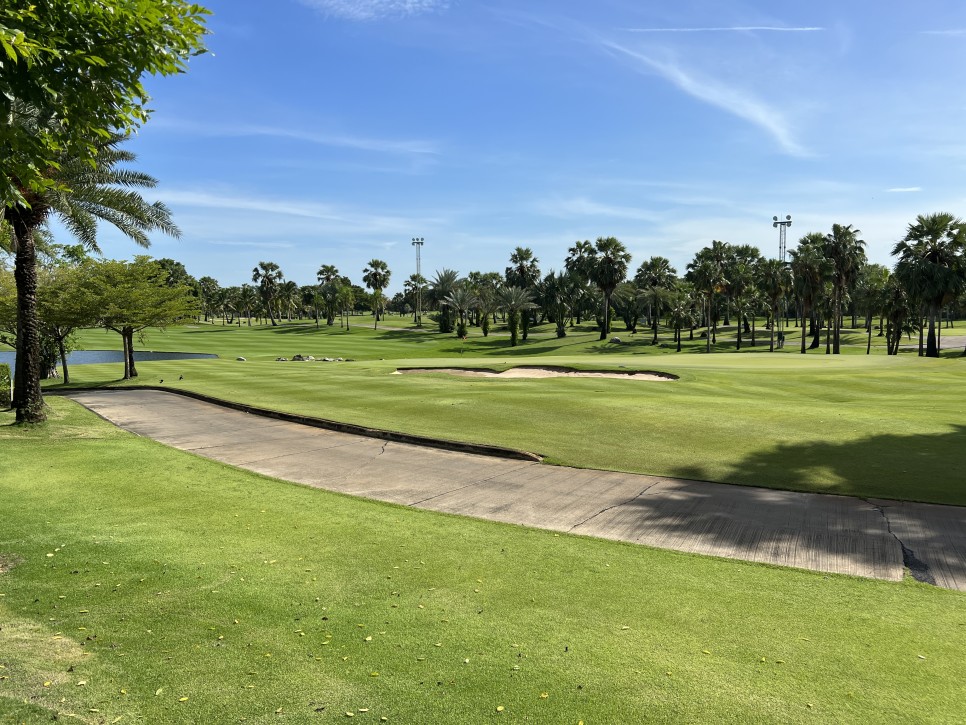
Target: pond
[[90, 357]]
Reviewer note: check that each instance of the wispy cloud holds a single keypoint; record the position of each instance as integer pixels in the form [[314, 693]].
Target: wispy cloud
[[269, 245], [730, 29], [904, 189], [948, 31], [375, 9], [580, 206], [730, 99], [361, 143]]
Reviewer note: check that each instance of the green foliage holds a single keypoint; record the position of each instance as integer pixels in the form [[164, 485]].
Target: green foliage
[[5, 383], [78, 65]]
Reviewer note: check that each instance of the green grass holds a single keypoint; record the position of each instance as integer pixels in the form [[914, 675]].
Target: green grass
[[877, 426], [153, 575]]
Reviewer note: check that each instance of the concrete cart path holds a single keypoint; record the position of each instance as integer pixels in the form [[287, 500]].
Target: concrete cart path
[[871, 538]]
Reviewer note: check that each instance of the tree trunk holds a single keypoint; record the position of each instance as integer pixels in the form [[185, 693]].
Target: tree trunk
[[28, 397], [932, 348], [604, 326], [63, 359], [132, 371], [804, 332]]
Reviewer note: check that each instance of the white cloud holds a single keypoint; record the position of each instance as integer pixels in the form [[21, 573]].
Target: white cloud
[[361, 143], [904, 189], [949, 31], [733, 29], [580, 206], [272, 245], [376, 9], [715, 93]]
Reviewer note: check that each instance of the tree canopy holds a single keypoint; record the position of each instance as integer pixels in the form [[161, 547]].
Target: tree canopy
[[78, 64]]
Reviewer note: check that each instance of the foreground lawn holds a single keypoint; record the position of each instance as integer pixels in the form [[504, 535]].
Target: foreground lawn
[[878, 426], [154, 586]]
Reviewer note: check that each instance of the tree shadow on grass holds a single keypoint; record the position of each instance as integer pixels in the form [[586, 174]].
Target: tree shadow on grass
[[861, 526], [920, 467]]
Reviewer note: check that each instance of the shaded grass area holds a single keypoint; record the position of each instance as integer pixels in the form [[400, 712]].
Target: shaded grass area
[[875, 426], [179, 590]]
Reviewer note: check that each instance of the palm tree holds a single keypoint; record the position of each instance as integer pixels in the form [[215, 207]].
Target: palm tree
[[268, 277], [775, 282], [846, 252], [289, 298], [810, 269], [931, 261], [609, 269], [524, 269], [708, 280], [413, 288], [870, 293], [247, 300], [655, 278], [463, 301], [80, 195], [681, 315], [376, 277], [515, 301], [441, 287]]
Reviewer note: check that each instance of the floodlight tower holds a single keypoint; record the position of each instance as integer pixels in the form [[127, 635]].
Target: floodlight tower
[[418, 243], [782, 225]]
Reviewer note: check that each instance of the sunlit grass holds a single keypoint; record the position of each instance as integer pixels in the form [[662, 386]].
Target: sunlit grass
[[156, 586]]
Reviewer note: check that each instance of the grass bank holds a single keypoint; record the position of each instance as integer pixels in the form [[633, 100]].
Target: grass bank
[[151, 585]]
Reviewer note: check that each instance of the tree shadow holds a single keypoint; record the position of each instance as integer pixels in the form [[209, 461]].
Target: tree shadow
[[866, 530]]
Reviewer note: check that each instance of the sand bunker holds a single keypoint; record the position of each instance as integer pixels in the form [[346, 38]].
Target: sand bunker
[[539, 371]]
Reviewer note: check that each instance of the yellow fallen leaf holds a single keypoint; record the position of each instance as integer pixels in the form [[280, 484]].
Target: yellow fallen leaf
[[706, 651], [363, 709], [82, 683], [499, 708], [158, 691], [182, 699], [47, 683], [373, 674], [369, 638], [544, 695], [117, 719]]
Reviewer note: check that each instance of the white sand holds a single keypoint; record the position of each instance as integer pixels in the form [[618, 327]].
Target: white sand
[[538, 372]]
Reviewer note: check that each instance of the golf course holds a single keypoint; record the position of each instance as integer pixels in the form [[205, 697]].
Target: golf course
[[144, 584]]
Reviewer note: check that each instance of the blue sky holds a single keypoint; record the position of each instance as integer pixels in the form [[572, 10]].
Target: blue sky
[[333, 131]]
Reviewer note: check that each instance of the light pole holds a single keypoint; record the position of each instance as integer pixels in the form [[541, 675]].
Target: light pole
[[782, 225], [418, 243]]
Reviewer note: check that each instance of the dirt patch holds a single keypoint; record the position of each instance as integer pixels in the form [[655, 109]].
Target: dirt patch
[[8, 562], [541, 371]]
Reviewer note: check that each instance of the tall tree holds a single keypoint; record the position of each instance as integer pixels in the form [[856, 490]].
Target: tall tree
[[134, 296], [440, 288], [79, 65], [514, 301], [810, 270], [376, 277], [931, 261], [106, 191], [774, 281], [655, 278], [609, 269], [268, 276], [846, 252]]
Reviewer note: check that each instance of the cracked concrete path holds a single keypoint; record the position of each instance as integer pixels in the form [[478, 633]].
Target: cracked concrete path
[[841, 534]]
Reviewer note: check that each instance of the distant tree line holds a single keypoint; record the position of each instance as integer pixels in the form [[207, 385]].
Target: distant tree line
[[826, 282]]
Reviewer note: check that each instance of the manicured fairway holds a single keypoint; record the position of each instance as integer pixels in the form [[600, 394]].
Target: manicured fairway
[[155, 586], [877, 426]]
